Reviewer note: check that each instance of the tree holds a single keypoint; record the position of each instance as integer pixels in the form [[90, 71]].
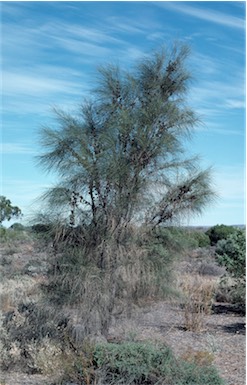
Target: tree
[[219, 232], [7, 211], [121, 161], [122, 157]]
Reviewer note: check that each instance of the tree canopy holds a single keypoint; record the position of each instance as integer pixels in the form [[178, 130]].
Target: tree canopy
[[122, 158], [7, 211]]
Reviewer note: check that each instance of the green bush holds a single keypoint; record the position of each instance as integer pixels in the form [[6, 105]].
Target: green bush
[[8, 236], [17, 226], [219, 232], [144, 363], [138, 363], [232, 291], [231, 253], [176, 239], [202, 238], [134, 361]]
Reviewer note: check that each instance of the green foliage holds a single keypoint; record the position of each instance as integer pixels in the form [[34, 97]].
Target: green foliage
[[232, 291], [41, 228], [12, 235], [182, 238], [231, 253], [134, 362], [17, 227], [144, 363], [176, 239], [138, 363], [7, 211], [202, 238], [219, 232], [125, 142]]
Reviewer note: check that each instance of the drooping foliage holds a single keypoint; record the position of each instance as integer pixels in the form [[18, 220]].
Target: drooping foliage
[[122, 158], [123, 173]]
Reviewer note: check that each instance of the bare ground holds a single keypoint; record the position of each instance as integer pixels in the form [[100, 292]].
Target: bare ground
[[223, 335]]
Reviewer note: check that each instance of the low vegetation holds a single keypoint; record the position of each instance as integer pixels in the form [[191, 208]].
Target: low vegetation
[[231, 253], [198, 300], [37, 337], [219, 232]]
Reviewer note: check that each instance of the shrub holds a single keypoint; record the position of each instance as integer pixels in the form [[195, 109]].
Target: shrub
[[144, 363], [210, 268], [202, 238], [177, 239], [8, 236], [231, 254], [41, 228], [219, 232], [17, 226], [201, 358], [138, 363], [231, 291], [199, 294]]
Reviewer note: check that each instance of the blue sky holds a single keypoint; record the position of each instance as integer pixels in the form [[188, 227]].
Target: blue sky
[[50, 52]]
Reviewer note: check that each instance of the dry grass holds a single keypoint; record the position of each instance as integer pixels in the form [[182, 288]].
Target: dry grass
[[198, 299], [198, 357], [14, 291]]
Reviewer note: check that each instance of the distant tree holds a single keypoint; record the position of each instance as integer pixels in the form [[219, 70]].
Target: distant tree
[[219, 232], [7, 211]]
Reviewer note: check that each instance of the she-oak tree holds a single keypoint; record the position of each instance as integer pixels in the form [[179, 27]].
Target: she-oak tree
[[122, 158]]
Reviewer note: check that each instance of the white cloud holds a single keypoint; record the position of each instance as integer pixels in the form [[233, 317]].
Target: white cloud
[[204, 65], [25, 191], [91, 34], [234, 103], [205, 14], [215, 97], [35, 84], [230, 182], [17, 148]]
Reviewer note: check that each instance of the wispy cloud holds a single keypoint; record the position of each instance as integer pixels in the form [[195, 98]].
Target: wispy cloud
[[236, 104], [28, 84], [17, 149], [28, 193], [213, 128], [230, 182], [215, 96], [205, 14]]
